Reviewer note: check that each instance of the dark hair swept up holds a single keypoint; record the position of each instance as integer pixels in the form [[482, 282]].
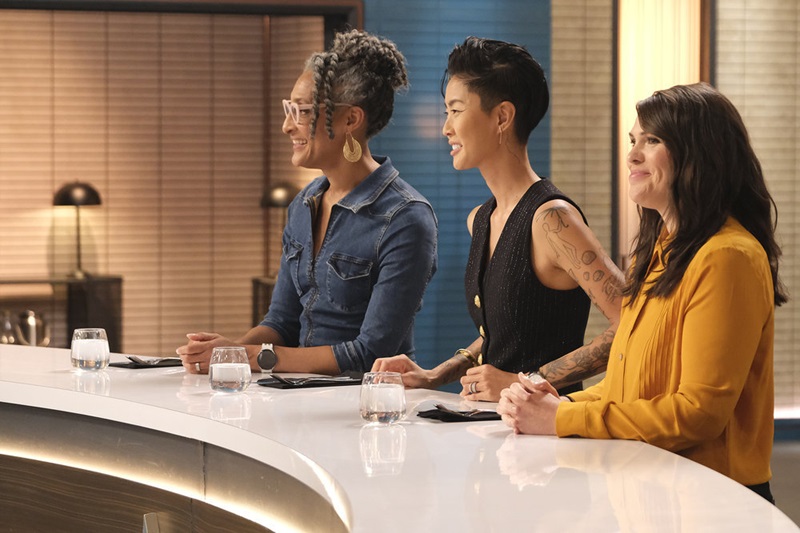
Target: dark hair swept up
[[498, 71], [717, 175], [360, 69]]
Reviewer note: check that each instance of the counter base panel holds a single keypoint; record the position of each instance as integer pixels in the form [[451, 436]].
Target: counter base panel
[[66, 472]]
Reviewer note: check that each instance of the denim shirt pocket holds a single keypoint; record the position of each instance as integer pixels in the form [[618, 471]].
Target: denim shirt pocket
[[291, 254], [349, 283]]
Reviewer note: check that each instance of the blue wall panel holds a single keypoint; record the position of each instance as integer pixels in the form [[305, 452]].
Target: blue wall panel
[[426, 31]]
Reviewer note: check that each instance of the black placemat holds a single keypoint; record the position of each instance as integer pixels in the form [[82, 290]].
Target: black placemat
[[160, 364]]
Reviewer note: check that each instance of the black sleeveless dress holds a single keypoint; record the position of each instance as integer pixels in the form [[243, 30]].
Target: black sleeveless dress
[[524, 324]]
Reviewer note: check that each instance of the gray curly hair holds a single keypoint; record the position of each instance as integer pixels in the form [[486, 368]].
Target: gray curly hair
[[360, 69]]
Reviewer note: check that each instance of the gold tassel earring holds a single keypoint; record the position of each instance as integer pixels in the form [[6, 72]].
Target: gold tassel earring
[[351, 154]]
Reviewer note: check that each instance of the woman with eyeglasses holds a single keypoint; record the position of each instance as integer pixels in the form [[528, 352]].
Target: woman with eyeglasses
[[534, 265], [359, 247]]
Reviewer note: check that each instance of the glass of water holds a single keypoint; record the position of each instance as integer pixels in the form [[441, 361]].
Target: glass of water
[[230, 369], [89, 350], [383, 397]]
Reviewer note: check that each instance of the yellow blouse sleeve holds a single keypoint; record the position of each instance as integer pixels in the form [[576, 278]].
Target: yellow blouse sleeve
[[595, 392]]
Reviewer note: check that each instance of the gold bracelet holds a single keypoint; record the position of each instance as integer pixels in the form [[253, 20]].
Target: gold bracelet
[[468, 356]]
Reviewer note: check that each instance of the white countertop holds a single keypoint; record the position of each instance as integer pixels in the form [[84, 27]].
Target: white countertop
[[425, 475]]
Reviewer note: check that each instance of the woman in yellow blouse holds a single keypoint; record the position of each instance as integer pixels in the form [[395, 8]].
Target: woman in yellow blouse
[[690, 368]]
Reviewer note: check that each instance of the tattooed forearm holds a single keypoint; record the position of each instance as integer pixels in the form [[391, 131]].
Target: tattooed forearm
[[612, 289], [452, 369], [583, 363], [612, 286]]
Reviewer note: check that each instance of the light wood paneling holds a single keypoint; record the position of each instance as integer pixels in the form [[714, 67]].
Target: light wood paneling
[[292, 40], [758, 69], [581, 107], [162, 113]]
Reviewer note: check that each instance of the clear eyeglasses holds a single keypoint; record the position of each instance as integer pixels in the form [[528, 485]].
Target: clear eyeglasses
[[301, 113]]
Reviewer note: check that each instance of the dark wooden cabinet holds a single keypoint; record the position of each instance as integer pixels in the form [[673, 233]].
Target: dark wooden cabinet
[[92, 302]]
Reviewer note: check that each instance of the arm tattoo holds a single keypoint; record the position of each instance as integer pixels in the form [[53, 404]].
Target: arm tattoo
[[453, 369], [581, 364], [552, 224], [611, 290]]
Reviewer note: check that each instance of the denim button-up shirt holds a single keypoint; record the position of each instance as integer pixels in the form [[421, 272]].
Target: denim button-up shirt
[[362, 291]]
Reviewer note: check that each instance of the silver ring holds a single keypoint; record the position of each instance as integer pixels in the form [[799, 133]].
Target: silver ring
[[473, 389], [197, 367]]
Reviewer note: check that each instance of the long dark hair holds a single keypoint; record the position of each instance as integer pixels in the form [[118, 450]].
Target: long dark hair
[[498, 71], [717, 175]]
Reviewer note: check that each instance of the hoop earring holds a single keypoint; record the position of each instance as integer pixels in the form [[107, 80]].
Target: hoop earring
[[500, 138], [351, 154]]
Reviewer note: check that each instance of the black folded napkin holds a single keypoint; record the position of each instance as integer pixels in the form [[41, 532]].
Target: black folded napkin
[[167, 361], [446, 414], [276, 381]]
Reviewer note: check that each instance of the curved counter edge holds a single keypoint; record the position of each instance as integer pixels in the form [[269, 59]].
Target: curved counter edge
[[184, 454]]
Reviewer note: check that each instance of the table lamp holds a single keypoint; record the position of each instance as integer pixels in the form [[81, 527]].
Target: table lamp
[[77, 194], [279, 195]]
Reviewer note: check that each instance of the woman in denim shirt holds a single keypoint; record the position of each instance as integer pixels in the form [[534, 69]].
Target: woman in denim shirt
[[359, 246]]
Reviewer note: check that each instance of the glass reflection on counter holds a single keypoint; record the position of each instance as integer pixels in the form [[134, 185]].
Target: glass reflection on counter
[[383, 449], [98, 382], [230, 407]]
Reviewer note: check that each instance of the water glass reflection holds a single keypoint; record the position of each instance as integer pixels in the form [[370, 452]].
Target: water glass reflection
[[383, 397], [98, 383], [383, 449], [229, 370], [89, 350], [230, 407]]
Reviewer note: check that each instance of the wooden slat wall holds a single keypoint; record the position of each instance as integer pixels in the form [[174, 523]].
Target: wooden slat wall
[[582, 120], [758, 68], [292, 40], [163, 115], [133, 199], [32, 235]]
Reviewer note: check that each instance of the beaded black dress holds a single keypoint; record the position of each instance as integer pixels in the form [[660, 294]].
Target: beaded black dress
[[524, 324]]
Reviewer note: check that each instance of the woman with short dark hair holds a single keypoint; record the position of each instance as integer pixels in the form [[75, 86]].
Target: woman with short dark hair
[[534, 266]]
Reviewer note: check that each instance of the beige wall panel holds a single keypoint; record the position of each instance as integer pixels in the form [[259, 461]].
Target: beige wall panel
[[581, 104], [757, 68], [163, 114]]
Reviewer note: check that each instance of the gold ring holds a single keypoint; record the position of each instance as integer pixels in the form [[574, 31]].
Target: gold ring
[[197, 367]]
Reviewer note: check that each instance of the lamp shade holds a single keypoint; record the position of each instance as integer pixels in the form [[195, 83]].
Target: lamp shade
[[279, 195], [77, 193]]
